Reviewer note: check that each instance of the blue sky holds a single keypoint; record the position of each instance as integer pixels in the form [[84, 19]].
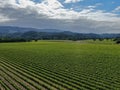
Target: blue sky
[[85, 16], [106, 5]]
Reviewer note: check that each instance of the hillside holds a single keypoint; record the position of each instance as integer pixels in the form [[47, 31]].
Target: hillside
[[33, 33]]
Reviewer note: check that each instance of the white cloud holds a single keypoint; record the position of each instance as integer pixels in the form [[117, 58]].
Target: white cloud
[[52, 4], [117, 9], [52, 14], [99, 15], [72, 1], [4, 19], [52, 9]]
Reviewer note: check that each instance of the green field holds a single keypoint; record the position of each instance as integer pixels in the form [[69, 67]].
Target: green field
[[63, 65]]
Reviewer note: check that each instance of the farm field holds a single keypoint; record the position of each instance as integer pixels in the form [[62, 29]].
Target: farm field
[[59, 65]]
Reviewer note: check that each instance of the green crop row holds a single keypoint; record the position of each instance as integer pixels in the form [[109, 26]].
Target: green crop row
[[60, 66]]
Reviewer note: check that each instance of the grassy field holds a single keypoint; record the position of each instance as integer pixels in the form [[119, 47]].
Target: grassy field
[[63, 65]]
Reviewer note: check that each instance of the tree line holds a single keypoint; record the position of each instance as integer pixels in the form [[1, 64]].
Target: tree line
[[33, 35]]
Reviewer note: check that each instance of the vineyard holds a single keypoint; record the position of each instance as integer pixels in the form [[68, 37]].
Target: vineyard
[[56, 65]]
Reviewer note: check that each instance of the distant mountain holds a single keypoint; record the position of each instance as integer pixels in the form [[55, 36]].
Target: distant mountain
[[10, 29], [33, 33]]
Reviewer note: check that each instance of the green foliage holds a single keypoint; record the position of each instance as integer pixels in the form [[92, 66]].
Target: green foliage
[[118, 42], [62, 65]]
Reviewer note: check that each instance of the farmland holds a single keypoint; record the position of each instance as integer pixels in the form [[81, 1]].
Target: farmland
[[64, 65]]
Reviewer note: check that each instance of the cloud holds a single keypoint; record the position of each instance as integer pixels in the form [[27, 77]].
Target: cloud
[[117, 9], [52, 14], [72, 1], [4, 18]]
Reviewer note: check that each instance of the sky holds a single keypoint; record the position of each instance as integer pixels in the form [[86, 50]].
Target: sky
[[84, 16]]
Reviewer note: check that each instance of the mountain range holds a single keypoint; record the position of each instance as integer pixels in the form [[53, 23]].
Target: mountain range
[[33, 33], [11, 29]]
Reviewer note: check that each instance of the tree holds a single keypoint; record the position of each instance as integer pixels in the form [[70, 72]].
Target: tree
[[118, 42]]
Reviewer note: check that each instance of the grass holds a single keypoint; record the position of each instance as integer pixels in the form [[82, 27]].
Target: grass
[[62, 65]]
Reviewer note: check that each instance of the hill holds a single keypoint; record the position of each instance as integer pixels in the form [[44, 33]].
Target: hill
[[10, 29], [51, 34]]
